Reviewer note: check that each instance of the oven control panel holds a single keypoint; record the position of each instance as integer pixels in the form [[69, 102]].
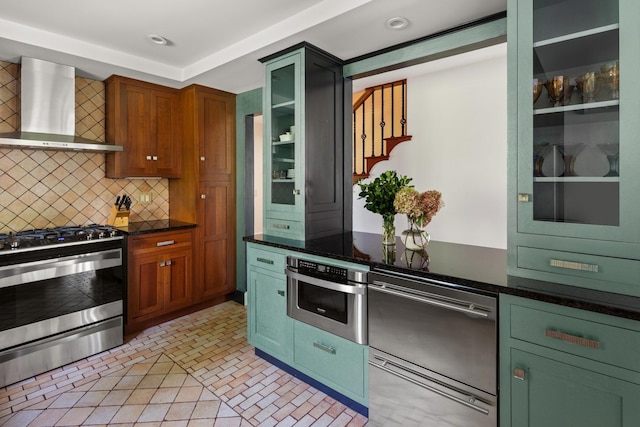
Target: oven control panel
[[322, 271]]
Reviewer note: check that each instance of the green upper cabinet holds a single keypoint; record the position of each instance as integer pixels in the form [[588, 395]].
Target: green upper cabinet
[[574, 154], [307, 164]]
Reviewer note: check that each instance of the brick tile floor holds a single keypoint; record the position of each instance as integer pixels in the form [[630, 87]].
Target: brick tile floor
[[194, 371]]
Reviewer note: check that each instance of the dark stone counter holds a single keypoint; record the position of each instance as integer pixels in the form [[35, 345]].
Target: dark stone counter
[[143, 227], [476, 268]]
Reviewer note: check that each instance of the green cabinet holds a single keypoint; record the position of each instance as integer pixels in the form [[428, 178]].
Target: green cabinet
[[562, 366], [307, 164], [335, 362], [574, 183], [340, 363], [268, 327]]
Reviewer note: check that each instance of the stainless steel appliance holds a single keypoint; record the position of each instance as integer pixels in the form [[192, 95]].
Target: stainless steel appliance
[[61, 298], [328, 297], [432, 353]]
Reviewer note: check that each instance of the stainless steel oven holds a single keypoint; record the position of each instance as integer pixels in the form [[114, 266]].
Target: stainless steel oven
[[61, 298], [328, 297]]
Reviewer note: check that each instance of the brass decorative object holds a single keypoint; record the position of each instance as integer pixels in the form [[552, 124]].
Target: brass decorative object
[[610, 76], [589, 86], [556, 89], [537, 89]]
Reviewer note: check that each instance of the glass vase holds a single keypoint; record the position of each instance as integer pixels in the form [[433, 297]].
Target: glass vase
[[388, 231], [415, 238]]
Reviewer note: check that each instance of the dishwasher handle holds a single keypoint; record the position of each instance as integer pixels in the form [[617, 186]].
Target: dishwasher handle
[[467, 309], [383, 366]]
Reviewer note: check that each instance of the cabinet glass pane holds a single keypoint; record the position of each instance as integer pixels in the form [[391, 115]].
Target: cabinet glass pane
[[576, 118], [283, 120]]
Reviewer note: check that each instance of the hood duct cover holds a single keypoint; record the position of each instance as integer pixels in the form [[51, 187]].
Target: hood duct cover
[[48, 111]]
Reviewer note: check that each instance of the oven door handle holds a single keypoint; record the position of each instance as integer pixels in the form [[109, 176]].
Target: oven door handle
[[467, 308], [357, 289], [469, 402]]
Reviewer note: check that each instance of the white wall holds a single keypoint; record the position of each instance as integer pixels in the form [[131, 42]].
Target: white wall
[[458, 119]]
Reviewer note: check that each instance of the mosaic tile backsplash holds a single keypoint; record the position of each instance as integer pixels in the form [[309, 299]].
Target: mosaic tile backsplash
[[40, 189]]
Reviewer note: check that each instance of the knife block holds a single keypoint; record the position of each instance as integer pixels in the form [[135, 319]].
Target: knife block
[[118, 218]]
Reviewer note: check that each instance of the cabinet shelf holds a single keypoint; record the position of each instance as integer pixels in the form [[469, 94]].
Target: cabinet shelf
[[283, 142], [562, 179], [578, 35], [284, 160], [578, 107], [290, 105]]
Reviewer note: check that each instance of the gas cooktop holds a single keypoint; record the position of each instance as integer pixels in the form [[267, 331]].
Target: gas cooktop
[[46, 237]]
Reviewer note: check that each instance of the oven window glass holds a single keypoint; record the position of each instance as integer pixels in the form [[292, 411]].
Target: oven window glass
[[325, 302], [46, 299]]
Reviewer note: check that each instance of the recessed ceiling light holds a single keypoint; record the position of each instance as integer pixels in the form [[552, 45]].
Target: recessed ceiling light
[[397, 23], [157, 39]]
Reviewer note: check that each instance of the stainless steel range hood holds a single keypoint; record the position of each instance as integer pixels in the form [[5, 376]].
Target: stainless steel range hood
[[48, 111]]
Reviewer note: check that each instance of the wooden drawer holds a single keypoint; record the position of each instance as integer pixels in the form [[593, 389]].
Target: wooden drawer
[[270, 260], [332, 360], [587, 266], [169, 239], [607, 339]]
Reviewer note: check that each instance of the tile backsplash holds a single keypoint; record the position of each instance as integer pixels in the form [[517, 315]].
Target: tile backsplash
[[40, 189]]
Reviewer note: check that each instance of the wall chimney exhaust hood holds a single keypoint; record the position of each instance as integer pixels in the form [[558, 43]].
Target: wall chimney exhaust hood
[[48, 111]]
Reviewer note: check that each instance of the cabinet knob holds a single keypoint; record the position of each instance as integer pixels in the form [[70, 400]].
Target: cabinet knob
[[169, 262], [296, 192], [203, 196], [155, 157], [518, 374], [281, 293], [202, 158], [162, 264], [148, 157]]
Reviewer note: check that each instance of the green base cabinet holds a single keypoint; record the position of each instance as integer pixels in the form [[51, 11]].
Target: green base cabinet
[[574, 181], [562, 367], [268, 327], [338, 363]]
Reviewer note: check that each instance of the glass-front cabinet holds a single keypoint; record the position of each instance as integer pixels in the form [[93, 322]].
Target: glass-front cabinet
[[305, 156], [284, 191], [576, 110]]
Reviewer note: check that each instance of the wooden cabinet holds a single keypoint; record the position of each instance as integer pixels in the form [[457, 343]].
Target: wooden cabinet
[[307, 165], [160, 275], [573, 184], [561, 366], [145, 119], [205, 192]]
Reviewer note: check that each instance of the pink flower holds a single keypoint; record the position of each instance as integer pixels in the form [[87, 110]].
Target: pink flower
[[420, 208]]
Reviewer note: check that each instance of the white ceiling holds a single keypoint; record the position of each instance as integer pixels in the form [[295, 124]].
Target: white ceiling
[[216, 43]]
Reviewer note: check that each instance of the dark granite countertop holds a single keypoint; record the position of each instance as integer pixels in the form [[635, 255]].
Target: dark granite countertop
[[143, 227], [476, 268]]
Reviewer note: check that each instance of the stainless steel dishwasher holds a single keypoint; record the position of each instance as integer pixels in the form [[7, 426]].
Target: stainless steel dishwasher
[[432, 353]]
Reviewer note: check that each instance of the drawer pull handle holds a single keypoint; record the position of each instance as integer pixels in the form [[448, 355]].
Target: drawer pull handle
[[524, 197], [324, 347], [265, 260], [281, 293], [572, 265], [519, 374], [166, 243], [281, 226], [572, 339]]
